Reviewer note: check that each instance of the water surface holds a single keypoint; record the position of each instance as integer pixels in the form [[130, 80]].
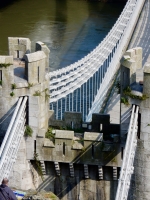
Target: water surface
[[70, 28]]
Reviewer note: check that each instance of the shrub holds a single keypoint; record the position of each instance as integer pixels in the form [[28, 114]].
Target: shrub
[[12, 94], [38, 165], [13, 86], [28, 131], [125, 101], [49, 133], [118, 87], [127, 92]]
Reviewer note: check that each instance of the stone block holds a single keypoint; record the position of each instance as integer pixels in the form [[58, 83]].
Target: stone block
[[48, 143], [33, 57], [6, 59], [130, 53], [30, 148], [147, 187], [25, 41], [64, 134], [93, 136], [33, 108], [12, 40], [41, 133], [34, 100], [145, 128], [147, 68], [77, 145], [34, 121]]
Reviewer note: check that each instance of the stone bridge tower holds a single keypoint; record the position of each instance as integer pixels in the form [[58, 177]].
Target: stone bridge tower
[[23, 73]]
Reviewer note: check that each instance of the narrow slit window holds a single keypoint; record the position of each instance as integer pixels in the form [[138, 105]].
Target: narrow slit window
[[64, 148], [122, 153], [92, 150], [0, 77], [35, 146], [17, 53], [72, 124], [38, 74]]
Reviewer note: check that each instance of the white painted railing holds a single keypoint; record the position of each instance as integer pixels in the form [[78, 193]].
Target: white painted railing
[[128, 160], [82, 86], [11, 141]]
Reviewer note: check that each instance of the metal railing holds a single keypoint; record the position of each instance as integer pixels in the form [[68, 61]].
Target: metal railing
[[11, 141], [82, 86], [128, 160]]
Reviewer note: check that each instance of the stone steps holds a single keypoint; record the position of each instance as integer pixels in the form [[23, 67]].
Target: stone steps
[[71, 169], [43, 167], [57, 168], [86, 172]]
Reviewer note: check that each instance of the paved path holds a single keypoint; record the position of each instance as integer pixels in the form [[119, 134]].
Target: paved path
[[140, 38]]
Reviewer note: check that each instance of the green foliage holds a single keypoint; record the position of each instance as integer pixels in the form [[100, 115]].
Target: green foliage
[[125, 100], [13, 86], [127, 92], [51, 196], [28, 131], [38, 165], [47, 96], [118, 87], [12, 94], [49, 133], [37, 93], [1, 82], [127, 89], [30, 85], [5, 65], [46, 90]]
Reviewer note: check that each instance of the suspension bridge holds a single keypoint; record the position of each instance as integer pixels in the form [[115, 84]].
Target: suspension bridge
[[82, 87]]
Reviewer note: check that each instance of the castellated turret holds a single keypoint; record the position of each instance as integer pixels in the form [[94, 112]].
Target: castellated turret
[[23, 73]]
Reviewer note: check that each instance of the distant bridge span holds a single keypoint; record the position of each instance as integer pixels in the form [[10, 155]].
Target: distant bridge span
[[82, 86]]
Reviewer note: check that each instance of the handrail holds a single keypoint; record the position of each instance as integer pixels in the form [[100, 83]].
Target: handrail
[[10, 126], [128, 160], [10, 149]]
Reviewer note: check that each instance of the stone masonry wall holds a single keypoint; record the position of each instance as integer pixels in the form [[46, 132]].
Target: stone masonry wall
[[25, 78]]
